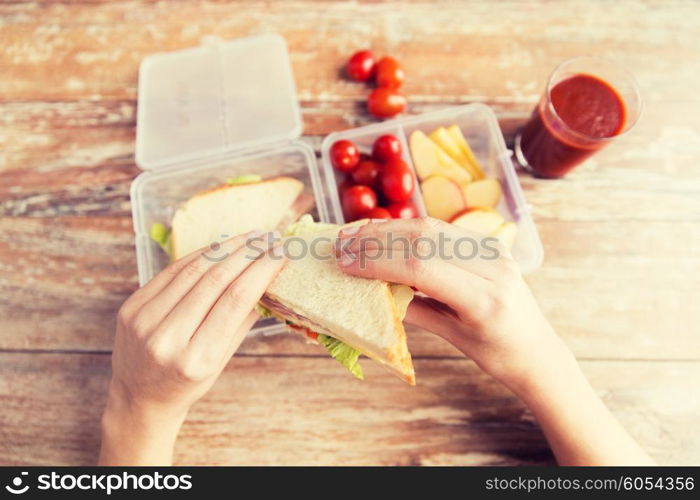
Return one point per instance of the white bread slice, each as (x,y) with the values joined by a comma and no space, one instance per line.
(225,211)
(361,312)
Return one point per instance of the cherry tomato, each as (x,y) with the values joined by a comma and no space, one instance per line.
(344,155)
(357,200)
(386,147)
(377,213)
(398,182)
(388,73)
(403,210)
(385,103)
(345,185)
(367,173)
(361,66)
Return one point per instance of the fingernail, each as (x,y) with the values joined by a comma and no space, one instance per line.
(346,259)
(349,231)
(378,221)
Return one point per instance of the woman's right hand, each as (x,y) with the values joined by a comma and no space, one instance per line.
(481,304)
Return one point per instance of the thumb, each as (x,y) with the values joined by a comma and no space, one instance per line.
(433,316)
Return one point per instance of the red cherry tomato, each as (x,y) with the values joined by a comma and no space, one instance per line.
(357,200)
(388,73)
(345,185)
(385,103)
(367,173)
(403,210)
(386,147)
(377,213)
(361,66)
(398,182)
(344,155)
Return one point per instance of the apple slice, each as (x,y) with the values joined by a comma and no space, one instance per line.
(480,220)
(429,160)
(483,193)
(506,234)
(442,138)
(463,145)
(442,196)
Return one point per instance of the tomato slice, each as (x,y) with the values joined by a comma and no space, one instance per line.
(304,331)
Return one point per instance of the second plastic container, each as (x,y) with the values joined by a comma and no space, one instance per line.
(480,127)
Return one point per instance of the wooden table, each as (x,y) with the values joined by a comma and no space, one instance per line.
(621,278)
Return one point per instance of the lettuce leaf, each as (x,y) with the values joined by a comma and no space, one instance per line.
(343,353)
(161,235)
(244,179)
(263,311)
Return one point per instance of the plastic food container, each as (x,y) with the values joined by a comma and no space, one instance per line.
(480,127)
(209,113)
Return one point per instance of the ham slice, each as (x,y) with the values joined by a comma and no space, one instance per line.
(284,313)
(303,204)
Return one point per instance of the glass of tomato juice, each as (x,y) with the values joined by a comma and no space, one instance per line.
(587,103)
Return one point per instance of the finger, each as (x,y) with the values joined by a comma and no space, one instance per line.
(163,302)
(434,277)
(426,238)
(151,289)
(239,335)
(165,276)
(194,306)
(224,321)
(204,362)
(433,316)
(219,358)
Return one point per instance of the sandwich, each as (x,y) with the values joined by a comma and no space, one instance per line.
(348,315)
(243,204)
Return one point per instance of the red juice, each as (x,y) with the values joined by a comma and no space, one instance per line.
(581,115)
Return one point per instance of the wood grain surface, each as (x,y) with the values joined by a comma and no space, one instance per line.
(289,410)
(621,234)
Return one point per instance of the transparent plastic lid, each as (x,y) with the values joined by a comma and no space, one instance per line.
(215,98)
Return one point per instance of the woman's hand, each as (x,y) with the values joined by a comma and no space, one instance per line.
(174,337)
(479,302)
(477,299)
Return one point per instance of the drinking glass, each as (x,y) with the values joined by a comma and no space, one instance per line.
(588,102)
